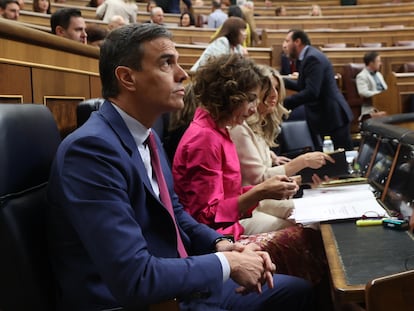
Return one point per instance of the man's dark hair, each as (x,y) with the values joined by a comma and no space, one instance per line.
(216,4)
(300,34)
(235,10)
(62,18)
(124,47)
(4,3)
(370,57)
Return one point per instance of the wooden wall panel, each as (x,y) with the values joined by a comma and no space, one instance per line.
(61,91)
(15,84)
(64,112)
(96,87)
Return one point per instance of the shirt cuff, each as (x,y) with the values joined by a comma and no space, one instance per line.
(225,266)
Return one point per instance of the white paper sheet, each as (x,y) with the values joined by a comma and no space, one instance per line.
(336,203)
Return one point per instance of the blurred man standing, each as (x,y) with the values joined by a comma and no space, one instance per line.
(326,110)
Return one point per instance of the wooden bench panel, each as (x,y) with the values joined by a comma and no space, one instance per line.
(51,68)
(189,54)
(327,10)
(15,83)
(190,35)
(335,22)
(391,57)
(396,98)
(352,37)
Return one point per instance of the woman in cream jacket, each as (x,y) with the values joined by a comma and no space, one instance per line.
(253,140)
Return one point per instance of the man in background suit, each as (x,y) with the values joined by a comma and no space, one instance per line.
(370,81)
(69,23)
(326,110)
(113,239)
(10,9)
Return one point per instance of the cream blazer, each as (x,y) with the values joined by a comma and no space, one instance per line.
(367,88)
(254,156)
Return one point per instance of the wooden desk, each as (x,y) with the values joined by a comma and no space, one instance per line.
(359,254)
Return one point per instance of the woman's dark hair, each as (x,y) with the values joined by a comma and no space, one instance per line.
(37,9)
(192,20)
(222,85)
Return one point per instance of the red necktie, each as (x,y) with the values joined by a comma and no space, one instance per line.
(164,194)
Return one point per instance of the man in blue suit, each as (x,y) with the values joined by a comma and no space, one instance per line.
(113,241)
(326,110)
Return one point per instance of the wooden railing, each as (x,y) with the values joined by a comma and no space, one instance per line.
(391,57)
(334,22)
(400,94)
(327,10)
(41,68)
(352,37)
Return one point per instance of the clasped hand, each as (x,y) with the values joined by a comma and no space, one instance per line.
(250,266)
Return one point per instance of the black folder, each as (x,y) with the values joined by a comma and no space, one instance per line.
(332,170)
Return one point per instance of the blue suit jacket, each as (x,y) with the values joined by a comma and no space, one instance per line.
(112,241)
(325,107)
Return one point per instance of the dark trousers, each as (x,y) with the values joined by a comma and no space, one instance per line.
(289,293)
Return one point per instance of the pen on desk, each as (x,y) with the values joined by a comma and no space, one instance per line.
(368,222)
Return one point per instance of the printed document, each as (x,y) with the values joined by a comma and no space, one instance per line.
(336,203)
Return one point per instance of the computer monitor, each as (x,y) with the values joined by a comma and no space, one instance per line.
(400,195)
(382,163)
(365,153)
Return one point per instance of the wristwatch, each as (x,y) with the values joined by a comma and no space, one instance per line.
(223,238)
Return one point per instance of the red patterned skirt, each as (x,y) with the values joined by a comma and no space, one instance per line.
(295,250)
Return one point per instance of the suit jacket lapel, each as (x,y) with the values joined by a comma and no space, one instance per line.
(120,128)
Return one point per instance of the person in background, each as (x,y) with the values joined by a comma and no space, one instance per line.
(128,9)
(217,17)
(179,122)
(150,5)
(288,65)
(229,40)
(248,13)
(315,10)
(255,137)
(41,6)
(118,235)
(69,23)
(370,82)
(116,22)
(96,35)
(187,20)
(173,6)
(235,10)
(281,11)
(157,16)
(327,112)
(94,3)
(10,9)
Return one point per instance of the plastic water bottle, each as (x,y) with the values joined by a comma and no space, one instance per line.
(327,146)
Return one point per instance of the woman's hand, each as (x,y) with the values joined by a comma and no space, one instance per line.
(316,159)
(278,160)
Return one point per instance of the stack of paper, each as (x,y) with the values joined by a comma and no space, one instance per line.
(336,203)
